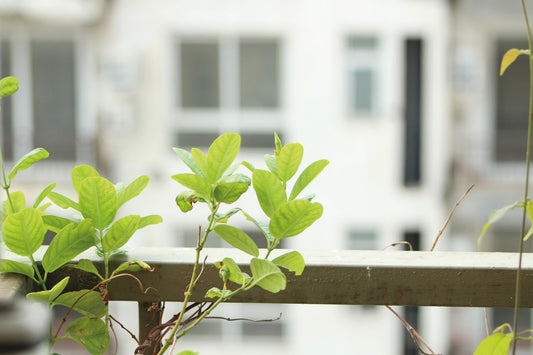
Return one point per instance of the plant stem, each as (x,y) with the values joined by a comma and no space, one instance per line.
(39,277)
(526,188)
(5,184)
(190,287)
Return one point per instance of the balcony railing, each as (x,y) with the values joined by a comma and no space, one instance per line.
(348,277)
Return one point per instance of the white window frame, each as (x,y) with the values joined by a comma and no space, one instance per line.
(228,116)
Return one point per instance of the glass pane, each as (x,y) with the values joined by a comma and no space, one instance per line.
(258,140)
(195,139)
(362,240)
(259,74)
(363,88)
(54,98)
(199,75)
(5,104)
(362,43)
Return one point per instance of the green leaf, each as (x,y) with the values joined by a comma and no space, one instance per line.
(149,220)
(185,200)
(69,243)
(63,201)
(23,232)
(277,144)
(289,160)
(509,57)
(221,155)
(87,266)
(223,217)
(80,173)
(18,268)
(293,218)
(271,163)
(215,292)
(234,272)
(187,352)
(91,333)
(49,295)
(8,86)
(293,261)
(269,190)
(262,226)
(248,165)
(230,188)
(133,189)
(28,160)
(308,175)
(43,194)
(187,158)
(237,238)
(98,201)
(494,217)
(120,232)
(132,266)
(201,161)
(86,302)
(196,183)
(495,344)
(55,223)
(267,275)
(19,203)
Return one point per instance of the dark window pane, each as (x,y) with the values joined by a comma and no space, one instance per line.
(6,109)
(258,140)
(512,105)
(195,139)
(54,96)
(362,240)
(259,74)
(359,43)
(199,75)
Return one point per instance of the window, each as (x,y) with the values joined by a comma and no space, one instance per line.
(227,84)
(362,62)
(512,103)
(44,113)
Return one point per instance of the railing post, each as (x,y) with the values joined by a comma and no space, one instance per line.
(148,318)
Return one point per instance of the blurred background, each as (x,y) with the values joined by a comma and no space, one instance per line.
(402,96)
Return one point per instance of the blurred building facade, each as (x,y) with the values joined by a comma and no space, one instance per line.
(402,96)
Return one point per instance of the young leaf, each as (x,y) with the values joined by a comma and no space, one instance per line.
(185,200)
(187,158)
(221,155)
(262,226)
(200,159)
(19,203)
(91,333)
(55,223)
(187,352)
(293,261)
(235,273)
(237,238)
(277,144)
(23,232)
(133,189)
(272,164)
(215,292)
(49,295)
(509,57)
(98,201)
(8,86)
(293,218)
(63,201)
(28,160)
(43,194)
(90,304)
(495,344)
(269,190)
(149,220)
(132,266)
(194,182)
(18,268)
(230,188)
(80,173)
(87,266)
(267,275)
(494,217)
(69,243)
(248,165)
(289,160)
(120,232)
(223,217)
(308,175)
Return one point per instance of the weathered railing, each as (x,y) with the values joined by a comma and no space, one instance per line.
(331,277)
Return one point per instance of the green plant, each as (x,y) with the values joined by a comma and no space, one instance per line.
(506,336)
(216,184)
(24,229)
